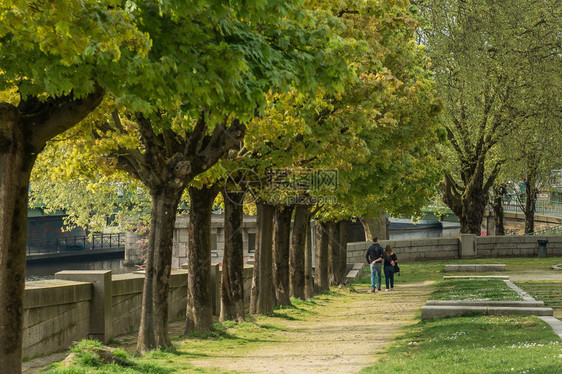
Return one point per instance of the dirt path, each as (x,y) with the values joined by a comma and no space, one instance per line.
(343,338)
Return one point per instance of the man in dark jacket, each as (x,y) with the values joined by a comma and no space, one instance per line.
(375,255)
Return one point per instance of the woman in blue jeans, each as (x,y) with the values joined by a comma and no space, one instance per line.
(389,268)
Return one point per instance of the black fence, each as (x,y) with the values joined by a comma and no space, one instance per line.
(76,243)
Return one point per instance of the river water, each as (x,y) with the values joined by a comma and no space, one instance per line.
(40,271)
(398,230)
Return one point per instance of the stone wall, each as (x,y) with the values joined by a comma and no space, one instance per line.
(452,248)
(517,246)
(56,313)
(127,300)
(409,249)
(249,230)
(60,311)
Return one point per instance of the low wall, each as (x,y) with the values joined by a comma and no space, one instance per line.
(409,249)
(60,311)
(517,246)
(56,313)
(127,300)
(452,248)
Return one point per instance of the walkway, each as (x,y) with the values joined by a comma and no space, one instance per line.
(344,338)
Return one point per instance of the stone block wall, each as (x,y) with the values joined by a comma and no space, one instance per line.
(517,246)
(56,313)
(409,249)
(127,300)
(60,311)
(249,227)
(451,248)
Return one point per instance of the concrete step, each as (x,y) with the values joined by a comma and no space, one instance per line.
(475,267)
(356,272)
(489,303)
(504,277)
(437,311)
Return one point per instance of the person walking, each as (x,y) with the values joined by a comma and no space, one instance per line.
(389,267)
(374,256)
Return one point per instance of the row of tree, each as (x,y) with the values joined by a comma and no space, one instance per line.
(180,95)
(498,69)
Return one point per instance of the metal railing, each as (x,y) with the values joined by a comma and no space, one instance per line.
(555,230)
(76,243)
(544,207)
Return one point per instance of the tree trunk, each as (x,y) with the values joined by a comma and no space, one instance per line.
(333,254)
(199,315)
(343,226)
(321,259)
(297,258)
(281,238)
(24,131)
(15,169)
(469,202)
(232,279)
(308,274)
(375,227)
(153,329)
(261,298)
(498,210)
(530,200)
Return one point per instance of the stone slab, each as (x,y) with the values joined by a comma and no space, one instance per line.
(503,277)
(539,304)
(355,273)
(434,311)
(475,267)
(519,291)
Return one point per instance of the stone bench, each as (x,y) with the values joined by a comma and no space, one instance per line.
(442,311)
(506,303)
(503,277)
(476,267)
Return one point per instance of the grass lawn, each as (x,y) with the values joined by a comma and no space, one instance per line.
(435,270)
(550,292)
(474,289)
(477,344)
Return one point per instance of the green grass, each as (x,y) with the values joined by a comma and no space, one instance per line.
(548,291)
(411,272)
(474,289)
(476,344)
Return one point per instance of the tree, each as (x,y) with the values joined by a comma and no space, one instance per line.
(185,127)
(377,134)
(232,277)
(58,60)
(481,52)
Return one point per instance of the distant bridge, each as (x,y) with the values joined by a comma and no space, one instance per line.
(75,246)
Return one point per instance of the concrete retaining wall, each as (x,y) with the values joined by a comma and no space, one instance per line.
(452,248)
(410,249)
(127,300)
(516,246)
(56,313)
(60,311)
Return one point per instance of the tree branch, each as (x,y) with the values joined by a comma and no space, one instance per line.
(54,116)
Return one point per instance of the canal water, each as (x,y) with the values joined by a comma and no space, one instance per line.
(399,229)
(41,271)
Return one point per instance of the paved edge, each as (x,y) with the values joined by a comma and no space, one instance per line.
(555,323)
